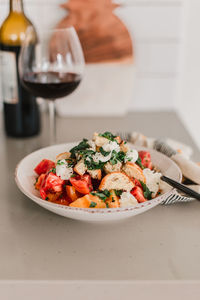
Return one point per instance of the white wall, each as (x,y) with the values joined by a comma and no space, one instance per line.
(188,99)
(155,26)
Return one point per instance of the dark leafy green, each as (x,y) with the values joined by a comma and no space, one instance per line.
(59,162)
(103,195)
(139,163)
(108,135)
(93,204)
(81,146)
(117,156)
(73,175)
(121,156)
(53,170)
(103,152)
(147,192)
(91,165)
(118,192)
(70,162)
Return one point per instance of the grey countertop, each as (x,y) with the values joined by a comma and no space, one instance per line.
(161,244)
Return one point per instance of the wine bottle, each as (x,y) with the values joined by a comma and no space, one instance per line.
(21,112)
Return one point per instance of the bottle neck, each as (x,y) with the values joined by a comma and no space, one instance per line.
(16,6)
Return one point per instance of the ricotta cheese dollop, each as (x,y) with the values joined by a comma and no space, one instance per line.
(111,146)
(127,200)
(131,156)
(152,181)
(92,145)
(98,157)
(63,170)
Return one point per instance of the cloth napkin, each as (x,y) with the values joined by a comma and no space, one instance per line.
(179,153)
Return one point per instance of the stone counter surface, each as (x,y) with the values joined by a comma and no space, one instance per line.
(35,244)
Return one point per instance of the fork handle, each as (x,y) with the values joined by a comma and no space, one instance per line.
(181,187)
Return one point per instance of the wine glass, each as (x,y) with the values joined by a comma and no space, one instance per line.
(51,66)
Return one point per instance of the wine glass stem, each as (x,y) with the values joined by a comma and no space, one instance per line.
(52,121)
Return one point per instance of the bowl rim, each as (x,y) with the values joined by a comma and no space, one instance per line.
(44,203)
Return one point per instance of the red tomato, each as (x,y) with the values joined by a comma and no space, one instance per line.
(137,183)
(43,194)
(137,192)
(145,159)
(82,184)
(53,183)
(44,166)
(39,181)
(87,178)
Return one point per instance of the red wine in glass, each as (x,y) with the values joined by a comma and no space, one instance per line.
(51,68)
(51,85)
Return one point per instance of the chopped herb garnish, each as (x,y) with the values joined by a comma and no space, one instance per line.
(59,162)
(147,192)
(107,193)
(81,146)
(103,152)
(93,204)
(46,198)
(53,170)
(118,193)
(91,165)
(73,175)
(36,180)
(70,162)
(121,156)
(103,195)
(117,156)
(107,205)
(139,163)
(113,159)
(86,152)
(108,135)
(113,200)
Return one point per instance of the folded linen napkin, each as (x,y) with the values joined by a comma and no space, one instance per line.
(178,152)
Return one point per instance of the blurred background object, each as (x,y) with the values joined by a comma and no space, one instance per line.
(155,27)
(107,85)
(166,51)
(21,111)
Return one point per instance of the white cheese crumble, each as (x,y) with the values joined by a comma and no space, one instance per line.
(127,199)
(152,181)
(98,157)
(63,170)
(111,146)
(131,156)
(92,145)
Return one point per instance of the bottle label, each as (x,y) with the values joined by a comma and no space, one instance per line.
(9,77)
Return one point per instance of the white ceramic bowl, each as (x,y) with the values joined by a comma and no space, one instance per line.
(25,179)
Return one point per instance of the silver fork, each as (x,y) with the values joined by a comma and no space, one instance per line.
(126,136)
(159,144)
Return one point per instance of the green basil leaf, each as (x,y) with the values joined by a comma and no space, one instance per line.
(108,135)
(139,163)
(118,192)
(103,152)
(147,192)
(93,204)
(81,146)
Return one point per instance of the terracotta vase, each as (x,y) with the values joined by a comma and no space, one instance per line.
(103,35)
(107,83)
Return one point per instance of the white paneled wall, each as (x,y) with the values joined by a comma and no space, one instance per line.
(157,37)
(155,26)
